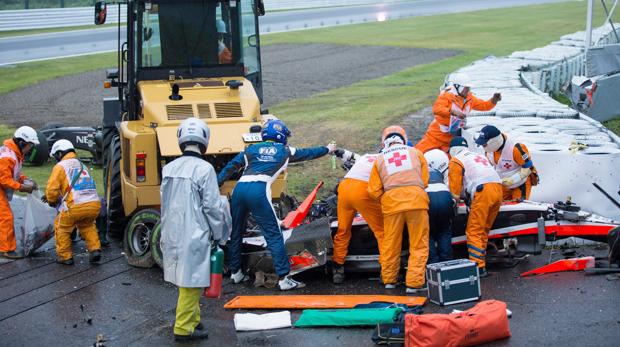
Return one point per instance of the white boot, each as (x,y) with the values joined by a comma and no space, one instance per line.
(238,277)
(287,283)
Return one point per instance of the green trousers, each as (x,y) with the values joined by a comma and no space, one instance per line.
(188,310)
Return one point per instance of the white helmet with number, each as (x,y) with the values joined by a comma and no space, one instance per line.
(461,79)
(437,159)
(61,146)
(27,134)
(193,130)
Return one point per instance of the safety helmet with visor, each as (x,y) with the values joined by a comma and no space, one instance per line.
(61,148)
(437,159)
(26,139)
(461,82)
(275,130)
(393,134)
(194,131)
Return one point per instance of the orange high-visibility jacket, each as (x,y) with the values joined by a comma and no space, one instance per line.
(59,182)
(447,100)
(11,177)
(402,198)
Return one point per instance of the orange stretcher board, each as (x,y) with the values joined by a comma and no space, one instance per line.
(316,301)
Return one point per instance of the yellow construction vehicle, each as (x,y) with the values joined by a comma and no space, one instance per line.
(181,58)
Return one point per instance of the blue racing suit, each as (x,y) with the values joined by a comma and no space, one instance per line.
(262,163)
(440,215)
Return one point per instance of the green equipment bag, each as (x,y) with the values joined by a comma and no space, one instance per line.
(347,317)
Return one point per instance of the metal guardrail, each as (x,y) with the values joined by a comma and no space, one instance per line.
(11,20)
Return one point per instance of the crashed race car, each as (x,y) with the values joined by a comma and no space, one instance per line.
(520,228)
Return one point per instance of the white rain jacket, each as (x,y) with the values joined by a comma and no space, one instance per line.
(193,213)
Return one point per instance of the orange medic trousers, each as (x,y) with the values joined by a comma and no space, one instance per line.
(353,197)
(427,143)
(7,232)
(482,214)
(522,192)
(416,222)
(82,217)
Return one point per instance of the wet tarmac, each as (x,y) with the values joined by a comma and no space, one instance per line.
(40,305)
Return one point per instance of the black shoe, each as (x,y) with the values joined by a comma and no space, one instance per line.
(12,255)
(65,262)
(94,256)
(338,274)
(483,272)
(196,335)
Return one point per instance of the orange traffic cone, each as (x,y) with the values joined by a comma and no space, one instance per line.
(575,264)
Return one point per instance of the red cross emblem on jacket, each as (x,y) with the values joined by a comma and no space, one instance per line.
(507,166)
(397,159)
(482,160)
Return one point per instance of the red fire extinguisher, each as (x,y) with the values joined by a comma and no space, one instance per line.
(217,264)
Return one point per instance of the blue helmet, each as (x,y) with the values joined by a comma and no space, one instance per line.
(275,130)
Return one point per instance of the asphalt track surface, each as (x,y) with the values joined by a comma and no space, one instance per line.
(40,305)
(289,72)
(71,43)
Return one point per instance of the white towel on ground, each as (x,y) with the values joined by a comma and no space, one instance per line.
(251,321)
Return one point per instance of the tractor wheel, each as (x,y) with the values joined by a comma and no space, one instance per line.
(113,193)
(156,246)
(138,238)
(108,135)
(41,153)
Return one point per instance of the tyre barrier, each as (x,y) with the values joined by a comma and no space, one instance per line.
(569,123)
(523,121)
(597,136)
(482,113)
(599,151)
(537,130)
(512,114)
(548,148)
(558,114)
(598,143)
(584,132)
(482,120)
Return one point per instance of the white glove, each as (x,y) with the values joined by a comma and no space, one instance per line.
(331,147)
(507,181)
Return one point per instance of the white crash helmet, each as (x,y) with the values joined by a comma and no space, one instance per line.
(437,159)
(193,131)
(27,134)
(61,146)
(221,27)
(460,80)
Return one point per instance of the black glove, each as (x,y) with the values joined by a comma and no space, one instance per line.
(339,152)
(44,199)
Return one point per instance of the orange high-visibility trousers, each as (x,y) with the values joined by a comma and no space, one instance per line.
(427,143)
(522,192)
(353,197)
(482,214)
(83,218)
(7,232)
(416,222)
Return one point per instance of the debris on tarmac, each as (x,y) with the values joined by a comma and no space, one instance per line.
(88,319)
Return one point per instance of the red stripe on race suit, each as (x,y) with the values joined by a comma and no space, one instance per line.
(598,230)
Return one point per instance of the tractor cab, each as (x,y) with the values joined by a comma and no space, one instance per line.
(179,59)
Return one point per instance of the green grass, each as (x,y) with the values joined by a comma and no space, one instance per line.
(354,116)
(52,30)
(613,125)
(40,174)
(18,76)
